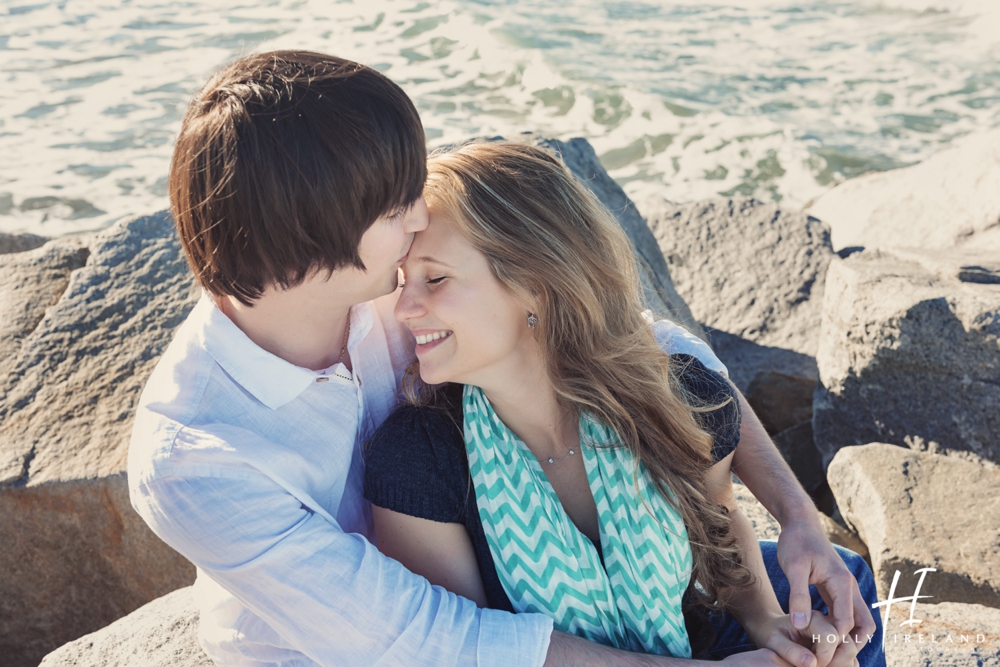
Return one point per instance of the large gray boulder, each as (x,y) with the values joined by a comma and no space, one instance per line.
(30,282)
(950,633)
(910,353)
(746,267)
(74,555)
(163,633)
(20,242)
(754,274)
(947,200)
(659,292)
(917,510)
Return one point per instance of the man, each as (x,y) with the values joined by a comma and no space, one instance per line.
(296,188)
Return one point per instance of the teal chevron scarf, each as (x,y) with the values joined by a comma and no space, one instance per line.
(546,565)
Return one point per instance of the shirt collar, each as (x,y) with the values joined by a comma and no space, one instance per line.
(269,378)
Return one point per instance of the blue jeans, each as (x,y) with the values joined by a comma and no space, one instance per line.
(730,637)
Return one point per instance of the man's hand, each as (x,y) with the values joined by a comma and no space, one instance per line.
(816,645)
(807,557)
(804,552)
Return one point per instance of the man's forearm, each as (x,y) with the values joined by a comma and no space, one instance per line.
(569,651)
(759,465)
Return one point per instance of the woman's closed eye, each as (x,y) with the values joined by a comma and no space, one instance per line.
(435,281)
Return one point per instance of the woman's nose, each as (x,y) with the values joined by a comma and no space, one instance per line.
(409,305)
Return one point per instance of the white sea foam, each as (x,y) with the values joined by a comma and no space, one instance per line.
(774,99)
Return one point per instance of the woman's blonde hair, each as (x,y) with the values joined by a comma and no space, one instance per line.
(549,241)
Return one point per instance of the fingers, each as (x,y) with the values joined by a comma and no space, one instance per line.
(832,649)
(823,637)
(843,592)
(799,600)
(864,621)
(790,652)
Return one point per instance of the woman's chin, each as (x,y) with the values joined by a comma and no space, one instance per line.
(430,377)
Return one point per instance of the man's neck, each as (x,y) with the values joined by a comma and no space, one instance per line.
(306,326)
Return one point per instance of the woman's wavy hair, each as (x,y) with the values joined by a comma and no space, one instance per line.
(553,245)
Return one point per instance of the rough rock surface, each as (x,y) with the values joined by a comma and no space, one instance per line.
(163,633)
(904,335)
(952,634)
(799,451)
(917,510)
(767,527)
(764,525)
(746,267)
(20,242)
(947,200)
(30,282)
(781,401)
(658,289)
(754,274)
(840,536)
(74,555)
(746,359)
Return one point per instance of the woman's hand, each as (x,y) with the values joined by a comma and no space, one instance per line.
(816,645)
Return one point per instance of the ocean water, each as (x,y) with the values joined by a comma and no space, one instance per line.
(775,99)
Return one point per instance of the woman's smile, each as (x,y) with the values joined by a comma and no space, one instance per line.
(429,340)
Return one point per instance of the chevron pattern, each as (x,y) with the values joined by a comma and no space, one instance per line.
(547,566)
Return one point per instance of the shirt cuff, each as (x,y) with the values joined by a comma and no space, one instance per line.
(513,640)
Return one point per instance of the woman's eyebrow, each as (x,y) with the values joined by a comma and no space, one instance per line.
(431,260)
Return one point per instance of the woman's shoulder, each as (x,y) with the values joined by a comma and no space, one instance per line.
(716,402)
(700,381)
(415,463)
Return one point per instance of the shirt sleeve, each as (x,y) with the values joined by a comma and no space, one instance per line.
(414,465)
(707,388)
(331,594)
(675,339)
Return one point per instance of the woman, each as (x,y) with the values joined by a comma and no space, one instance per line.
(554,459)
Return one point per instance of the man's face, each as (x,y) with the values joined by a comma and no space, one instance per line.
(383,250)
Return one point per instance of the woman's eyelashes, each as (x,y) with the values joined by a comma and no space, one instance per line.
(435,281)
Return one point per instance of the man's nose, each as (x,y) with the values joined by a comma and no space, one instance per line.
(417,221)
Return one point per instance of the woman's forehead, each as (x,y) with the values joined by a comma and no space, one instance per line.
(441,243)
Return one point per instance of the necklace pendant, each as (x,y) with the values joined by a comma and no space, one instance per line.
(551,460)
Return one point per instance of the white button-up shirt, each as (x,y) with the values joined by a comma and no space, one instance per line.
(252,468)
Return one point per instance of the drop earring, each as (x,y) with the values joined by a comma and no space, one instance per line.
(532,320)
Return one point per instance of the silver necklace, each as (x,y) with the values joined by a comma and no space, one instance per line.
(553,459)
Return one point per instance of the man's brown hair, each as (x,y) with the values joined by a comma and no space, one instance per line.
(283,162)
